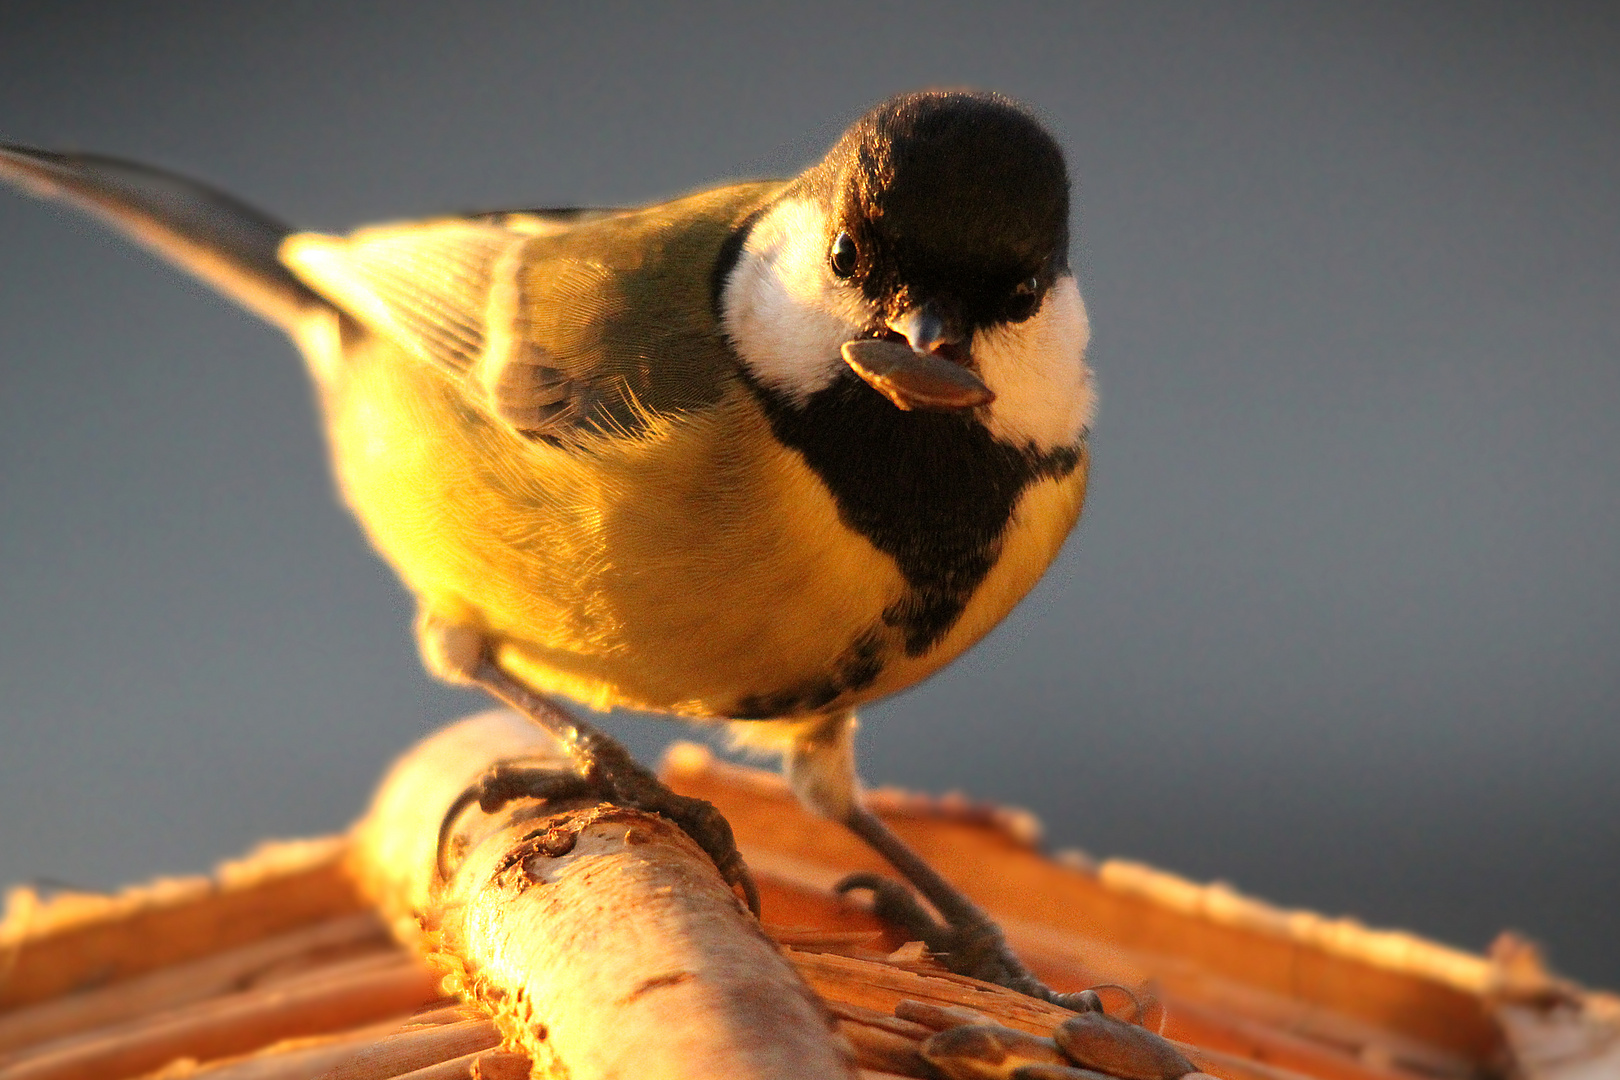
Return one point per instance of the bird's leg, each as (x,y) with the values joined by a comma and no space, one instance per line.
(605,768)
(821,769)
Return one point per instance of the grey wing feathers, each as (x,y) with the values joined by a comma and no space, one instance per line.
(227,243)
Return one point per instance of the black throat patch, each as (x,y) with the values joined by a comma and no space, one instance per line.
(931,490)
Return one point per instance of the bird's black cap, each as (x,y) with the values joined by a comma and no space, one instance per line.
(950,196)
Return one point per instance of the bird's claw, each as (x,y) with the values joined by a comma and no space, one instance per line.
(506,782)
(697,818)
(634,787)
(969,946)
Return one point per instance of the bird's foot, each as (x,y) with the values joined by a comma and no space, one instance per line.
(969,944)
(505,783)
(602,768)
(618,780)
(627,783)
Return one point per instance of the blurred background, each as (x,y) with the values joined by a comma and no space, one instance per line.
(1340,624)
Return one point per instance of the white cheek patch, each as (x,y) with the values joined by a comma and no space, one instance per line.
(784,311)
(1037,369)
(788,316)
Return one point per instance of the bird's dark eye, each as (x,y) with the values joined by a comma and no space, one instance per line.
(843,255)
(1021,301)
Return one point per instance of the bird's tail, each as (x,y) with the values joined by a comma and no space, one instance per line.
(226,243)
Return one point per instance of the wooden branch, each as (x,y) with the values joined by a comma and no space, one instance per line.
(600,938)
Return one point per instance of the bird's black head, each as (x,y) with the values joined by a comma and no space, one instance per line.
(951,201)
(927,253)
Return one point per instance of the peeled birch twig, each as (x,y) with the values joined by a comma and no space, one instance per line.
(602,939)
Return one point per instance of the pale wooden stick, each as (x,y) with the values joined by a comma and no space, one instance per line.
(484,1064)
(411,1051)
(51,947)
(601,938)
(879,986)
(329,999)
(181,984)
(298,1058)
(413,1039)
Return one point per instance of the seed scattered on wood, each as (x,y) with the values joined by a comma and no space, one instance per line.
(1098,1041)
(987,1051)
(938,1017)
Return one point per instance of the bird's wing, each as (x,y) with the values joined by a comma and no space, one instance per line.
(556,322)
(446,292)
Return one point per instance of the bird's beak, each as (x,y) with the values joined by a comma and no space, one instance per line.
(928,370)
(924,329)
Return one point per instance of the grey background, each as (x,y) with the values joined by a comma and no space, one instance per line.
(1340,624)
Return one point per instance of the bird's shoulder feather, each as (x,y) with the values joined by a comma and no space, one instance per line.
(555,322)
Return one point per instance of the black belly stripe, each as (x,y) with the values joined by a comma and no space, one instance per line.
(855,669)
(932,490)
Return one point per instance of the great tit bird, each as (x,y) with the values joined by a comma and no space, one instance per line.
(759,454)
